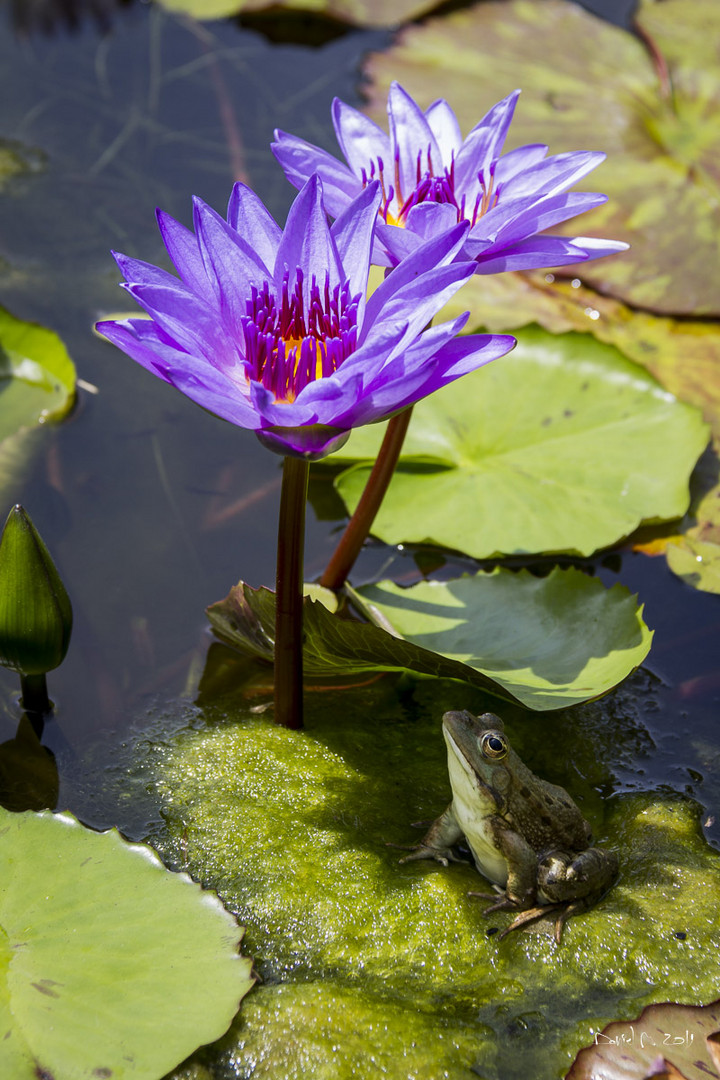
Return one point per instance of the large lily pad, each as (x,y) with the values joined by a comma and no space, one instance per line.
(591,86)
(563,446)
(545,642)
(110,966)
(293,829)
(681,354)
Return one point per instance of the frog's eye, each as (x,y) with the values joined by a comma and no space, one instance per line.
(494,745)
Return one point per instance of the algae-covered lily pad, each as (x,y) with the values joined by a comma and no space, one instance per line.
(295,828)
(563,446)
(551,641)
(588,85)
(356,12)
(546,642)
(110,965)
(666,1042)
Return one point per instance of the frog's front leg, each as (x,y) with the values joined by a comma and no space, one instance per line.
(521,859)
(438,840)
(584,876)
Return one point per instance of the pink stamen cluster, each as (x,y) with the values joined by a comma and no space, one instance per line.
(290,343)
(431,188)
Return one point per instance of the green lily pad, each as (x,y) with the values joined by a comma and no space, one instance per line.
(681,354)
(546,642)
(355,12)
(588,85)
(37,377)
(685,1037)
(552,641)
(293,828)
(110,966)
(563,446)
(695,557)
(37,385)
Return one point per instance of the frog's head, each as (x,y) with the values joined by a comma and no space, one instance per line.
(477,751)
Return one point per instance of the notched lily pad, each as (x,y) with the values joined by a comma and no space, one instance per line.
(671,1041)
(562,446)
(110,966)
(588,85)
(332,646)
(545,642)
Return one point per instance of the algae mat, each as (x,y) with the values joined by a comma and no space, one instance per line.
(373,968)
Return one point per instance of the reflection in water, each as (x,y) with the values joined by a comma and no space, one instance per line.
(28,771)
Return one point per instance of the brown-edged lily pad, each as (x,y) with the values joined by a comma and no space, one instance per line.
(676,1042)
(356,12)
(588,85)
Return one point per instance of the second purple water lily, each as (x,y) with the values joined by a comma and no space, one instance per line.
(432,178)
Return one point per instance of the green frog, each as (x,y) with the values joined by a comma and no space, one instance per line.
(526,835)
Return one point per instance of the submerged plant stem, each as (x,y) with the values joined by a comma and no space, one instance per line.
(289,594)
(357,529)
(34,694)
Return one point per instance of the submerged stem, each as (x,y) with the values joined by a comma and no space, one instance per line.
(289,594)
(357,529)
(34,694)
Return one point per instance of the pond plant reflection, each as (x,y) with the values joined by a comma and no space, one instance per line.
(271,330)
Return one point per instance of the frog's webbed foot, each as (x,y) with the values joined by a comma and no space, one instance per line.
(438,842)
(535,913)
(531,914)
(502,901)
(424,851)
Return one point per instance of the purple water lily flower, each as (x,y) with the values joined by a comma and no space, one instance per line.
(431,178)
(271,329)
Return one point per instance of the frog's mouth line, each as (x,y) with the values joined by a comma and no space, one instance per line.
(460,759)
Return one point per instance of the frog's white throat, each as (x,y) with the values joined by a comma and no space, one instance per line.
(472,807)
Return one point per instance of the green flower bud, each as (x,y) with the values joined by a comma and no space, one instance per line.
(35,610)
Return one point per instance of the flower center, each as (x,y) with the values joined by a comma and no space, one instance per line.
(429,187)
(291,341)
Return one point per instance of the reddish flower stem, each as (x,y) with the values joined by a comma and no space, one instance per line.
(289,594)
(357,529)
(658,60)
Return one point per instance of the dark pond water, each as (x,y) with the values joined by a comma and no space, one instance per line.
(151,507)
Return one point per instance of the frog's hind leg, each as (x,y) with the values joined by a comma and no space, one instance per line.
(540,911)
(533,914)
